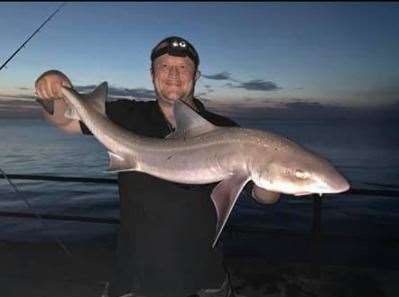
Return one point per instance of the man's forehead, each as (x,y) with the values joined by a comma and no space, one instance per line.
(167,58)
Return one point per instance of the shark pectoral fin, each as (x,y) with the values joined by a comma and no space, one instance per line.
(224,196)
(117,163)
(48,105)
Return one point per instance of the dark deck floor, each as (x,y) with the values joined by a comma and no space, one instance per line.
(45,270)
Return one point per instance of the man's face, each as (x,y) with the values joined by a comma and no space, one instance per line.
(174,78)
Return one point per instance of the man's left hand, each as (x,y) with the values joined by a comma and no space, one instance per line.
(264,196)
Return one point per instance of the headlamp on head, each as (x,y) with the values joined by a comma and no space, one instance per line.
(175,46)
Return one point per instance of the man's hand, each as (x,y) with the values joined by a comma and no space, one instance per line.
(263,196)
(48,88)
(48,85)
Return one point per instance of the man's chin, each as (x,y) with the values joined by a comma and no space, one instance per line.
(172,98)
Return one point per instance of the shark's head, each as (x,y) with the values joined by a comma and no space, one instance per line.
(299,173)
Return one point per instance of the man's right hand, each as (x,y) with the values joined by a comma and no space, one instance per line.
(48,88)
(48,85)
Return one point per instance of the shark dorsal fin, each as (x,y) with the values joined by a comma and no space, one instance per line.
(188,122)
(96,99)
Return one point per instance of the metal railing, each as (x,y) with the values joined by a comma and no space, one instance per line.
(315,237)
(316,230)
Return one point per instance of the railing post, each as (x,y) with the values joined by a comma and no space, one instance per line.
(316,236)
(316,228)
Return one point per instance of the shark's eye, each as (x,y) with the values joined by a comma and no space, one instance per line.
(301,174)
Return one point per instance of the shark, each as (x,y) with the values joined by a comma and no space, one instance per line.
(198,152)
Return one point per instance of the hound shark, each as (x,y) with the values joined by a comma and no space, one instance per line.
(199,152)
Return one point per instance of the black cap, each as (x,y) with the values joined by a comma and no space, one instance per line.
(175,46)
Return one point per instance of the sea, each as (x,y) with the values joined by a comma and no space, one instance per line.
(366,152)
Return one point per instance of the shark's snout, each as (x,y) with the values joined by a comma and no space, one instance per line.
(338,184)
(343,186)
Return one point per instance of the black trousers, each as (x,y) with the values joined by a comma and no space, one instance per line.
(164,246)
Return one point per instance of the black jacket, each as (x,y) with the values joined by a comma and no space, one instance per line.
(166,228)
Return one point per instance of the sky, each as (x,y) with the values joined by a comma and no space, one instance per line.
(296,57)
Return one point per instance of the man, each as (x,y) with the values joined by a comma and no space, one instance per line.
(164,246)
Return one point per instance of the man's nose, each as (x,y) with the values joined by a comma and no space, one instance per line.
(174,72)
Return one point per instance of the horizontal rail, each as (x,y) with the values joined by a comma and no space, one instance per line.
(58,217)
(365,192)
(229,227)
(369,192)
(316,235)
(276,233)
(62,178)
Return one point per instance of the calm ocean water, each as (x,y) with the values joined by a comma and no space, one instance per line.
(366,153)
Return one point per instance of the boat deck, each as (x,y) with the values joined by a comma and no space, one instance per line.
(45,270)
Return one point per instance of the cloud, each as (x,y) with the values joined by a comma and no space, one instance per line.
(252,85)
(257,85)
(25,89)
(135,93)
(201,96)
(25,106)
(19,97)
(209,89)
(379,94)
(19,107)
(300,109)
(218,76)
(204,93)
(309,106)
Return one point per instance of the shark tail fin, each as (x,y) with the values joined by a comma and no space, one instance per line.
(48,105)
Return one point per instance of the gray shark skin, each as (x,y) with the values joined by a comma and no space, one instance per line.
(200,153)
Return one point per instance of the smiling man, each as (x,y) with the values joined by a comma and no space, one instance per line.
(167,229)
(174,73)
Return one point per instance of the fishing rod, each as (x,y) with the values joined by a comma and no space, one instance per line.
(15,189)
(31,36)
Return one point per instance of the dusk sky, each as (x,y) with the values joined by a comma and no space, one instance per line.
(253,54)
